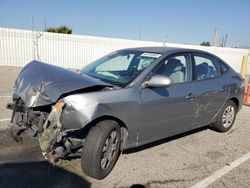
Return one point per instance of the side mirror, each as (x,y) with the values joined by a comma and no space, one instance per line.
(157,81)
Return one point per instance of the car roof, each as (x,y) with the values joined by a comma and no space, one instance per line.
(164,50)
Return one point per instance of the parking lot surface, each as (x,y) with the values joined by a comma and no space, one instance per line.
(181,161)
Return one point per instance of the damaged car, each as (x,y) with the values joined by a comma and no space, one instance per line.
(126,99)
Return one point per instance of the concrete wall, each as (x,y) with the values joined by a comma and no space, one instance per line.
(18,47)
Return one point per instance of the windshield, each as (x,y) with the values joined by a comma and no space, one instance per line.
(120,67)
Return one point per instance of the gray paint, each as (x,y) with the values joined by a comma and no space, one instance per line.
(41,84)
(149,114)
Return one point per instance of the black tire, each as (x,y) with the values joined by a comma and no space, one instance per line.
(223,124)
(93,146)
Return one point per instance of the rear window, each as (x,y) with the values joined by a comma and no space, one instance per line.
(224,68)
(206,67)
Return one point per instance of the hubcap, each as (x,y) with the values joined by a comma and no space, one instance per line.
(109,149)
(228,116)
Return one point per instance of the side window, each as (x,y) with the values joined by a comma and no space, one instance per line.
(118,63)
(175,68)
(205,67)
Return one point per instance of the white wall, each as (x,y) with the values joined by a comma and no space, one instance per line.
(18,47)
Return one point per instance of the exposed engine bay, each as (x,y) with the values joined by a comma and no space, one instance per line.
(43,125)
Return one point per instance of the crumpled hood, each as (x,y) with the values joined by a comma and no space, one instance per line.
(40,84)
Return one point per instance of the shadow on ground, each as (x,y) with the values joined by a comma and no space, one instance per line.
(22,165)
(16,170)
(38,174)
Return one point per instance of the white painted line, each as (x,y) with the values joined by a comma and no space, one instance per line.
(7,119)
(218,174)
(6,96)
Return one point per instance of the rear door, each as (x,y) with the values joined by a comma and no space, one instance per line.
(210,88)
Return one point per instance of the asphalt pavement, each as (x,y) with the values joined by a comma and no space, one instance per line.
(180,161)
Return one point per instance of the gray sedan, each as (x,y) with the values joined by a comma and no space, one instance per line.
(124,100)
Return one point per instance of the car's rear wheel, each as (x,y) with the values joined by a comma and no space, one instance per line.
(101,149)
(226,117)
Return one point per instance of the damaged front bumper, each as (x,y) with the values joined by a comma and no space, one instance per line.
(51,133)
(46,129)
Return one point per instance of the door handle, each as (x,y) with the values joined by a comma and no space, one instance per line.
(190,96)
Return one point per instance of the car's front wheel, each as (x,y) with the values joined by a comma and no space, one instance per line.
(101,149)
(226,117)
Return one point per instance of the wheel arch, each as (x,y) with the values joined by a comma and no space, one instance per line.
(124,130)
(236,101)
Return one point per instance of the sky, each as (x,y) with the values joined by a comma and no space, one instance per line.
(176,21)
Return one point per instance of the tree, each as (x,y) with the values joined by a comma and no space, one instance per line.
(205,43)
(61,29)
(51,30)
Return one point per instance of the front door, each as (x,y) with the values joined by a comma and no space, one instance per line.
(168,111)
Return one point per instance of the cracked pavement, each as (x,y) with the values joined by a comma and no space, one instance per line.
(176,162)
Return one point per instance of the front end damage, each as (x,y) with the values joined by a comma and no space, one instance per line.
(37,108)
(44,126)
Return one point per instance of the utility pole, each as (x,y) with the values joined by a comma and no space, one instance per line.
(225,40)
(45,24)
(222,43)
(34,37)
(32,23)
(165,39)
(215,37)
